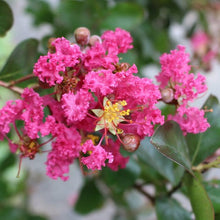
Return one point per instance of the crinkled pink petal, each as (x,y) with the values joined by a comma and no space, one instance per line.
(8,114)
(118,41)
(65,149)
(191,120)
(98,156)
(76,106)
(33,112)
(101,81)
(119,161)
(49,67)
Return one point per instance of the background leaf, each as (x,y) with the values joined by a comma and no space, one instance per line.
(122,179)
(123,15)
(21,60)
(6,18)
(199,199)
(169,140)
(170,209)
(90,198)
(205,144)
(213,190)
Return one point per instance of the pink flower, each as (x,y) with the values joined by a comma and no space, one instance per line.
(118,41)
(97,57)
(48,126)
(50,67)
(64,150)
(102,81)
(143,122)
(191,120)
(97,157)
(8,114)
(33,112)
(174,67)
(76,106)
(175,75)
(119,161)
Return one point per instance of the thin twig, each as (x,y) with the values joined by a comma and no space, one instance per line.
(141,190)
(22,79)
(174,189)
(12,88)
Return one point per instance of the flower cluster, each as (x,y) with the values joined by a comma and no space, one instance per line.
(179,86)
(98,103)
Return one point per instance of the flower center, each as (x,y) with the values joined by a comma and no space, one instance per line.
(111,115)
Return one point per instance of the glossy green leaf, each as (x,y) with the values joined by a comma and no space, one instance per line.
(201,204)
(124,15)
(90,198)
(165,167)
(21,60)
(170,209)
(168,139)
(205,144)
(213,190)
(6,18)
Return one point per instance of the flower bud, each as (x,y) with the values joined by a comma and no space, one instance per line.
(131,142)
(167,95)
(93,39)
(82,35)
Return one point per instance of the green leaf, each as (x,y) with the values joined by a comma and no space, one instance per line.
(168,139)
(170,209)
(41,11)
(205,144)
(213,190)
(21,60)
(165,167)
(12,213)
(199,199)
(122,179)
(90,198)
(124,15)
(6,18)
(73,14)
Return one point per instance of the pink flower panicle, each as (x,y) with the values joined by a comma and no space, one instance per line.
(97,96)
(175,75)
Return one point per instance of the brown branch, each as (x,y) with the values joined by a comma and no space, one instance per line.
(146,194)
(12,88)
(22,79)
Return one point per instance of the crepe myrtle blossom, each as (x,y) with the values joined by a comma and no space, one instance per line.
(98,103)
(180,87)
